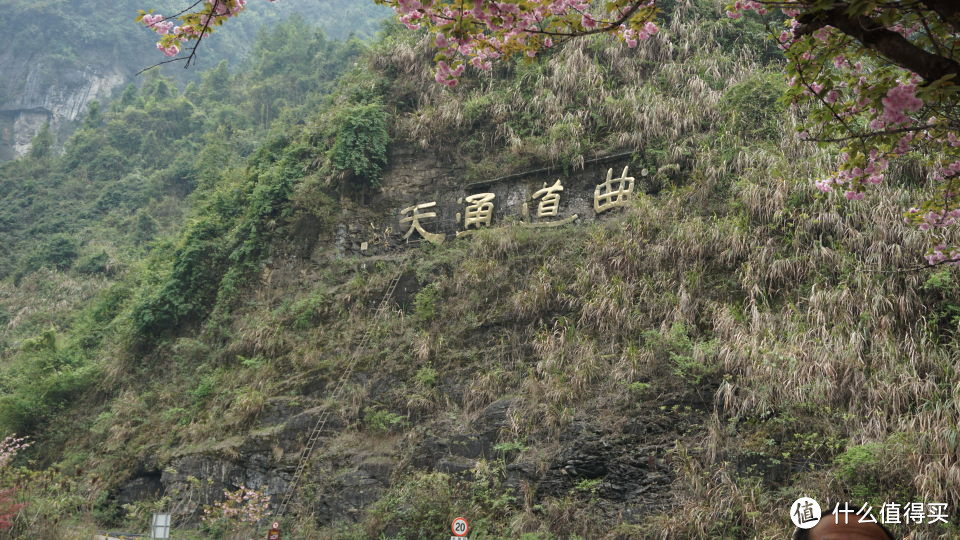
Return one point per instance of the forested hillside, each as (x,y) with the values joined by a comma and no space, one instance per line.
(180,300)
(61,55)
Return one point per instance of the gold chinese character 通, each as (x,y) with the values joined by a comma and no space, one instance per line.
(479,210)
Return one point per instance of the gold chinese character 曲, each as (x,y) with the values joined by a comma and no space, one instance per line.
(479,210)
(414,220)
(614,192)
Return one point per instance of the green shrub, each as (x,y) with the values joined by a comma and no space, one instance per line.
(58,252)
(878,471)
(689,361)
(96,320)
(190,288)
(418,507)
(426,377)
(93,264)
(860,468)
(44,380)
(207,386)
(383,421)
(266,206)
(307,312)
(943,289)
(752,108)
(144,228)
(127,194)
(42,143)
(589,485)
(253,363)
(359,149)
(638,388)
(510,446)
(425,304)
(177,415)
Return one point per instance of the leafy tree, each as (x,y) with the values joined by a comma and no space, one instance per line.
(359,150)
(57,252)
(42,142)
(879,79)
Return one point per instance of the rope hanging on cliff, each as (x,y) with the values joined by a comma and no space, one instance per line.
(307,451)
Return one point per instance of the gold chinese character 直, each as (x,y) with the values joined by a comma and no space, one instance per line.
(613,192)
(479,210)
(414,220)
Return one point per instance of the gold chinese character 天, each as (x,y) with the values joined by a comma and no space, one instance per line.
(479,210)
(414,220)
(614,192)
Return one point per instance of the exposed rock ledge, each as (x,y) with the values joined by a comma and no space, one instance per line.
(38,92)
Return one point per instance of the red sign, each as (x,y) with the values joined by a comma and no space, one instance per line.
(274,534)
(460,527)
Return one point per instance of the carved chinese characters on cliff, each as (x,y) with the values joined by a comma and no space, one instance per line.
(550,205)
(414,222)
(479,210)
(613,192)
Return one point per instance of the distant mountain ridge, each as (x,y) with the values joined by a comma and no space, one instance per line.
(59,57)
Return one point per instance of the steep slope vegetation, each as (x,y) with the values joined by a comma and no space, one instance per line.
(73,225)
(686,368)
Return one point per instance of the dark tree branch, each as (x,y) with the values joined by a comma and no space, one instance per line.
(948,10)
(603,26)
(917,268)
(887,43)
(606,26)
(158,64)
(873,134)
(192,57)
(930,36)
(184,10)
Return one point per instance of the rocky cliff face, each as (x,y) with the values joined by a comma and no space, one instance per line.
(34,91)
(621,467)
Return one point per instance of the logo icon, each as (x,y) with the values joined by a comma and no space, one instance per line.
(460,527)
(805,513)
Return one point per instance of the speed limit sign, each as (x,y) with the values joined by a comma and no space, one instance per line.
(460,527)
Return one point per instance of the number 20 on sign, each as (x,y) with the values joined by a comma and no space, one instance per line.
(459,527)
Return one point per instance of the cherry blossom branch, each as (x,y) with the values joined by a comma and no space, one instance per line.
(876,37)
(203,33)
(917,268)
(190,58)
(871,134)
(184,10)
(610,25)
